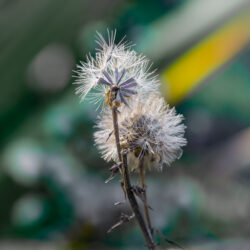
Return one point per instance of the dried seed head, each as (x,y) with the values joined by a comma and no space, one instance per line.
(149,129)
(116,72)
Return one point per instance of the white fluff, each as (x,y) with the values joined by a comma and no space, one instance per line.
(149,125)
(108,57)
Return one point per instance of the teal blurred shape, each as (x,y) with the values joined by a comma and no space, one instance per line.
(62,119)
(29,211)
(22,160)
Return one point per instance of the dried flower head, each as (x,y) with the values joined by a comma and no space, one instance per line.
(117,72)
(150,129)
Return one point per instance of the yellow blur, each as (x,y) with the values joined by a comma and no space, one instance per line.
(188,71)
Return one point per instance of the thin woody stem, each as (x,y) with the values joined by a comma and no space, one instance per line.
(134,204)
(125,175)
(116,131)
(142,172)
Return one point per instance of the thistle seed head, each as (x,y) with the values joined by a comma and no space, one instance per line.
(116,72)
(149,129)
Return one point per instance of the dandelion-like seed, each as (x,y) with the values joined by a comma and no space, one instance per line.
(115,73)
(150,129)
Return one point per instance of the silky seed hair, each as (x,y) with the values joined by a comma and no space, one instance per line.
(149,129)
(117,67)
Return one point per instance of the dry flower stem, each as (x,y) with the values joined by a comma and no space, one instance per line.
(116,131)
(134,204)
(125,175)
(142,172)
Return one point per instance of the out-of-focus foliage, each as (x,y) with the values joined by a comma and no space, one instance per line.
(52,190)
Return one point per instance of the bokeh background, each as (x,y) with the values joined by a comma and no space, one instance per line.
(52,191)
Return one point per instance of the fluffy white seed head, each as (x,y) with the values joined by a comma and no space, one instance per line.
(148,128)
(112,58)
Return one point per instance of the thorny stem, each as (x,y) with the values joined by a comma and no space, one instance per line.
(134,204)
(125,175)
(142,172)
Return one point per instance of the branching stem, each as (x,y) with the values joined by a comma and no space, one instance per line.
(126,179)
(134,204)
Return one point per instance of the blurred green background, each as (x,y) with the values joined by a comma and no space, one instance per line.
(52,191)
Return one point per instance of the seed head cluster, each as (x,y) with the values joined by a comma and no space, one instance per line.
(148,127)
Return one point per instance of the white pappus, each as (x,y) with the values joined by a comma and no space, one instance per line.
(148,128)
(115,65)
